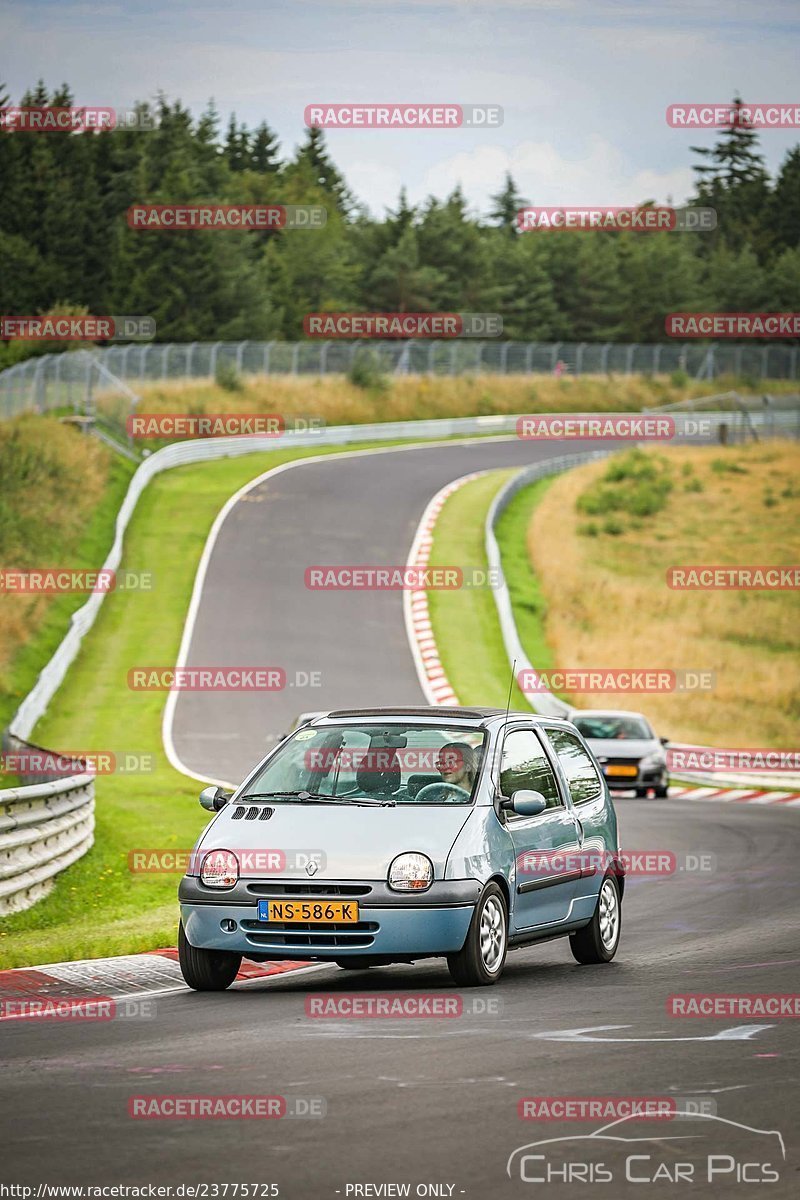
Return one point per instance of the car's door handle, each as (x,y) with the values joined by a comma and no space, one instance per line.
(578,830)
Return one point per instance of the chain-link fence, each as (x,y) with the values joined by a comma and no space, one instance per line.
(66,380)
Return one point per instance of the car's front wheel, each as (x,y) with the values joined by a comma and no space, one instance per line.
(597,942)
(206,970)
(481,960)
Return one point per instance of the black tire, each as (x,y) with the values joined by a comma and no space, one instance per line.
(592,944)
(662,793)
(206,970)
(480,961)
(354,964)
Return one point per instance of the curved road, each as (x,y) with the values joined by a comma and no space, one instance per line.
(255,609)
(415,1102)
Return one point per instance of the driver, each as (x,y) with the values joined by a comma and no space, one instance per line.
(456,765)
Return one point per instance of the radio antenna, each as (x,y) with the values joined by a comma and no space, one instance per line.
(508,709)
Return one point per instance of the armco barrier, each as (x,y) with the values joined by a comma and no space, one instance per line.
(545,702)
(44,827)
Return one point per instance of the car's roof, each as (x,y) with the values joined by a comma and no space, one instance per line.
(441,713)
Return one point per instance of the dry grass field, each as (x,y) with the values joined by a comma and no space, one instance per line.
(601,548)
(337,401)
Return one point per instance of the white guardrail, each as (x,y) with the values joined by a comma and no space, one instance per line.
(544,701)
(43,829)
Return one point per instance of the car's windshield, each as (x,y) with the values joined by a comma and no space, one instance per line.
(610,728)
(388,763)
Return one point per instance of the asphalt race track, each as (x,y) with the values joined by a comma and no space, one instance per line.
(256,609)
(427,1101)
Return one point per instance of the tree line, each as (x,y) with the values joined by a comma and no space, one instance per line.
(65,245)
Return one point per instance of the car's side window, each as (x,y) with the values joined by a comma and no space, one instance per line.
(581,773)
(525,765)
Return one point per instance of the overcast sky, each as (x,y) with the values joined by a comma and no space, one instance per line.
(584,83)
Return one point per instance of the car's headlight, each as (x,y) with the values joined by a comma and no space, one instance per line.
(653,760)
(220,869)
(411,872)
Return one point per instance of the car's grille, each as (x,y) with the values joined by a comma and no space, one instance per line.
(276,890)
(254,812)
(310,937)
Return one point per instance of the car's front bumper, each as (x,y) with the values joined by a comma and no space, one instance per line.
(431,923)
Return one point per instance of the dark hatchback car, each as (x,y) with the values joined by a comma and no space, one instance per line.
(631,757)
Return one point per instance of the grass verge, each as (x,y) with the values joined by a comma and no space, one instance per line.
(98,907)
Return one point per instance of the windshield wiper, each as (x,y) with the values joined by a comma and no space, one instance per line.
(303,797)
(316,798)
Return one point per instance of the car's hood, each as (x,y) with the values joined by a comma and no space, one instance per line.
(624,747)
(349,842)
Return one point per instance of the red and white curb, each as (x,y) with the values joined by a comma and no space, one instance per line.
(737,795)
(430,671)
(155,973)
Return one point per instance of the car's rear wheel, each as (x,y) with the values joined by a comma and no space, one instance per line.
(662,793)
(481,960)
(206,970)
(597,942)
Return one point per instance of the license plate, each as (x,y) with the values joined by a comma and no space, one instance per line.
(309,912)
(619,771)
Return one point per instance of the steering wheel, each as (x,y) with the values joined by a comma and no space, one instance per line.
(428,794)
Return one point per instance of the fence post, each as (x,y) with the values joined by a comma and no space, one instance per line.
(295,354)
(554,355)
(323,357)
(267,349)
(212,366)
(189,357)
(579,358)
(629,360)
(240,356)
(764,361)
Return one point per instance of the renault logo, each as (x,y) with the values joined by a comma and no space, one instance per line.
(312,868)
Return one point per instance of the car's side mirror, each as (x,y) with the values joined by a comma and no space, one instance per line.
(664,741)
(527,803)
(214,798)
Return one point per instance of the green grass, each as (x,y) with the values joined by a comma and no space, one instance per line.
(20,675)
(97,906)
(527,601)
(464,621)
